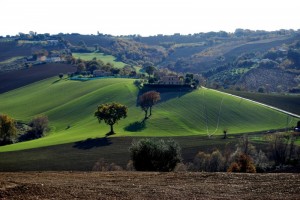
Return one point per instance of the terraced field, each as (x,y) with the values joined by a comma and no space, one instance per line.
(72,104)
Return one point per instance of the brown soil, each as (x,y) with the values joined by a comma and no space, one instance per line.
(15,79)
(137,185)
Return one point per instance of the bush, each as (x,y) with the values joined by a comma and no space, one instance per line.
(234,167)
(7,129)
(216,162)
(201,161)
(39,125)
(213,162)
(180,167)
(282,148)
(155,155)
(244,164)
(129,166)
(262,162)
(103,166)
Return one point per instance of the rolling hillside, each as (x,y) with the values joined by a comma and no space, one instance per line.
(100,56)
(72,103)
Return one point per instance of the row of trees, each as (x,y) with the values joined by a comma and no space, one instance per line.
(152,154)
(88,67)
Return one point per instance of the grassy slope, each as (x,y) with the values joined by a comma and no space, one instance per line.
(100,56)
(73,103)
(290,103)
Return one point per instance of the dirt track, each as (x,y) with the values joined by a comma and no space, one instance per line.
(135,185)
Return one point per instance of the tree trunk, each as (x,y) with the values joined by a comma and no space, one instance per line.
(150,111)
(146,113)
(111,129)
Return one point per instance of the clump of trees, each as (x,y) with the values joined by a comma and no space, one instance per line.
(7,129)
(280,154)
(155,155)
(147,101)
(214,162)
(111,113)
(39,125)
(11,131)
(88,67)
(283,149)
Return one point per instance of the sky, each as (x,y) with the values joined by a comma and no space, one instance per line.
(146,17)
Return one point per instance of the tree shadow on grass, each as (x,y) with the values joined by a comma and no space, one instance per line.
(92,143)
(136,126)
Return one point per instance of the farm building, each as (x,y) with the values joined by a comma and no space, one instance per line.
(171,80)
(101,73)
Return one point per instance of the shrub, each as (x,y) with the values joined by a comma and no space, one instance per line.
(282,147)
(261,162)
(103,166)
(201,161)
(213,162)
(244,164)
(180,167)
(216,161)
(234,167)
(7,129)
(138,83)
(39,126)
(129,166)
(155,155)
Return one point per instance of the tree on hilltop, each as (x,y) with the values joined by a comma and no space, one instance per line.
(111,113)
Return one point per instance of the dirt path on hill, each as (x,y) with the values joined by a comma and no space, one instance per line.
(135,185)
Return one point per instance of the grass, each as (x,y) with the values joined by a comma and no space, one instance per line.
(100,56)
(82,156)
(202,112)
(290,103)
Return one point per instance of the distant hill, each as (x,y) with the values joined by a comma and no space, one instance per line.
(226,60)
(70,106)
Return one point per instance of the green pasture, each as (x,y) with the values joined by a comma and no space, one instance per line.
(100,56)
(288,102)
(202,112)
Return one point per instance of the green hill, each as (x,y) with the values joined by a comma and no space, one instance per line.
(100,56)
(73,103)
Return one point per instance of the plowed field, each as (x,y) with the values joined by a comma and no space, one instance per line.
(136,185)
